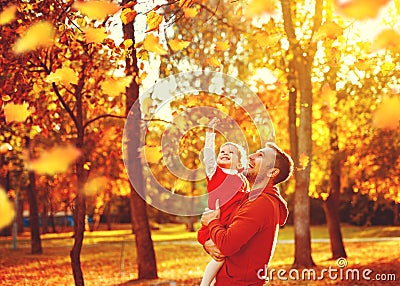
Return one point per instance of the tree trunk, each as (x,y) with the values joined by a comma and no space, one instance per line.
(147,267)
(331,205)
(36,243)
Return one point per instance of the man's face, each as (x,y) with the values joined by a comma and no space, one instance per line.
(228,157)
(260,163)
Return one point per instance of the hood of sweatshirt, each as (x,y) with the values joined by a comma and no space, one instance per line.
(283,209)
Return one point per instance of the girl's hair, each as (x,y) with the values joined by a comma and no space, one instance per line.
(242,153)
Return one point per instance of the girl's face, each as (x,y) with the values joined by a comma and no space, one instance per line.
(228,157)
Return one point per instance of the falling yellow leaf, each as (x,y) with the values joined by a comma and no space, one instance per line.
(329,30)
(152,154)
(214,62)
(259,7)
(304,160)
(95,186)
(128,15)
(115,86)
(56,160)
(153,21)
(190,12)
(152,44)
(328,95)
(17,112)
(6,97)
(360,9)
(177,45)
(387,39)
(5,147)
(38,35)
(387,115)
(95,35)
(7,211)
(222,46)
(8,14)
(63,75)
(96,9)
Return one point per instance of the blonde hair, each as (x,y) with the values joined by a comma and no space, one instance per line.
(242,153)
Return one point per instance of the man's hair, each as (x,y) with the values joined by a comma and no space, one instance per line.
(283,162)
(242,153)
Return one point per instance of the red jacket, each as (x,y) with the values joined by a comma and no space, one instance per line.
(249,240)
(229,189)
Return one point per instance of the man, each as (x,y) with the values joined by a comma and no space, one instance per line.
(248,242)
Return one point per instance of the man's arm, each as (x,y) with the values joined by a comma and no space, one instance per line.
(245,224)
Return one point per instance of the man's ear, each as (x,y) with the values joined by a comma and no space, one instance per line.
(273,172)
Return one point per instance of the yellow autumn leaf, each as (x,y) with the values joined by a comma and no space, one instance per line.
(39,35)
(214,62)
(95,35)
(8,14)
(64,75)
(304,160)
(152,154)
(152,44)
(7,211)
(56,160)
(95,186)
(360,9)
(387,115)
(222,45)
(128,15)
(259,7)
(387,67)
(266,40)
(362,64)
(127,43)
(153,21)
(329,30)
(115,86)
(96,9)
(185,3)
(17,112)
(328,95)
(5,147)
(190,12)
(387,39)
(6,98)
(177,45)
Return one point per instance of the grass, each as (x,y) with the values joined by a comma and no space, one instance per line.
(108,257)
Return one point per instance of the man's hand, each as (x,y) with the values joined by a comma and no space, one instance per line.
(211,125)
(210,215)
(213,250)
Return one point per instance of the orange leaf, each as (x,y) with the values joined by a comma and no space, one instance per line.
(114,87)
(56,160)
(387,115)
(17,112)
(329,30)
(38,35)
(96,9)
(152,44)
(95,35)
(222,46)
(8,14)
(153,21)
(95,186)
(7,211)
(190,12)
(304,160)
(214,62)
(360,9)
(128,15)
(387,39)
(259,7)
(63,75)
(177,45)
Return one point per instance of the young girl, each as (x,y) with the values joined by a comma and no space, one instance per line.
(225,183)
